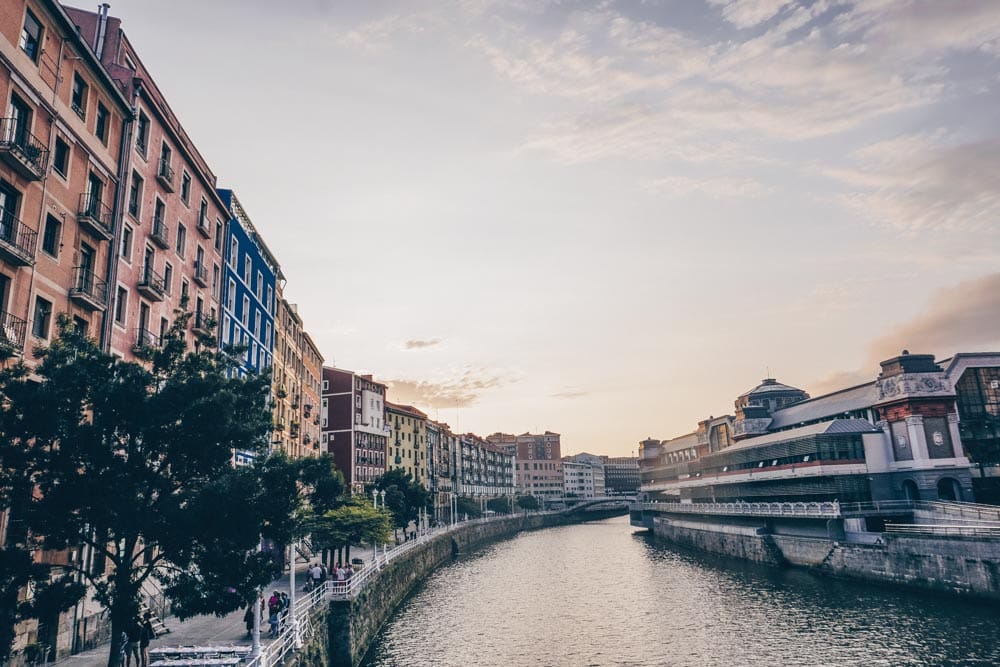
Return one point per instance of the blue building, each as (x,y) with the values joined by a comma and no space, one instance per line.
(248,293)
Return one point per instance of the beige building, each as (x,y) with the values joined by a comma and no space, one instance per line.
(407,446)
(297,384)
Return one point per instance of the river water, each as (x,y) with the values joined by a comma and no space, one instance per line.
(605,594)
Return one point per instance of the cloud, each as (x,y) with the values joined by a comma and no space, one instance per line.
(748,13)
(417,344)
(716,188)
(461,390)
(961,318)
(570,394)
(926,183)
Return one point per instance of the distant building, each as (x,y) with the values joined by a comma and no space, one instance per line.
(598,474)
(407,441)
(483,469)
(441,447)
(296,378)
(538,462)
(621,475)
(579,479)
(353,427)
(896,437)
(976,379)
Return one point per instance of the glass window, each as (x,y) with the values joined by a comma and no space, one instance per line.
(168,277)
(142,133)
(135,196)
(181,240)
(60,161)
(43,318)
(31,35)
(218,235)
(121,305)
(50,241)
(234,252)
(186,187)
(103,122)
(78,98)
(126,249)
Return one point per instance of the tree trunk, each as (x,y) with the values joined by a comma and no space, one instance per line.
(347,554)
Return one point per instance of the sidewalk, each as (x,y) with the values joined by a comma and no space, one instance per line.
(198,631)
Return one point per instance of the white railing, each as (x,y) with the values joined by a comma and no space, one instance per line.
(819,510)
(291,636)
(950,531)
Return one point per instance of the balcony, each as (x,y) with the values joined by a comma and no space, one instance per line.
(88,290)
(21,150)
(17,241)
(165,175)
(12,330)
(204,226)
(94,216)
(200,273)
(203,325)
(146,340)
(160,235)
(151,285)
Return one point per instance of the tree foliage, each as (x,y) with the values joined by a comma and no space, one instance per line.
(528,502)
(404,496)
(135,462)
(353,522)
(468,506)
(502,505)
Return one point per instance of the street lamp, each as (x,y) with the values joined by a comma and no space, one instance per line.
(374,498)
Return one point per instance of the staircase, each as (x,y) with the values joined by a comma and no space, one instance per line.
(151,590)
(158,625)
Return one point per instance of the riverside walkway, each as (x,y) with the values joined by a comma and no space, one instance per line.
(230,629)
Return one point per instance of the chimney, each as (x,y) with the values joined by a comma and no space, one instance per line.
(102,26)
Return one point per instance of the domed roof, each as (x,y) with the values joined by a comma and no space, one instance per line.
(770,386)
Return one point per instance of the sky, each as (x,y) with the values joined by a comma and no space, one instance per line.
(605,219)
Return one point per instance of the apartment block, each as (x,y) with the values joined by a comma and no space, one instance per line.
(538,462)
(297,376)
(353,425)
(483,469)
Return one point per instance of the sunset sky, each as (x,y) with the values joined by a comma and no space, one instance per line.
(605,219)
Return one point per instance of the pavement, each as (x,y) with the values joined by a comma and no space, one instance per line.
(199,630)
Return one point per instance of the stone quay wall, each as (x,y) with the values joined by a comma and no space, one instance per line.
(961,565)
(352,625)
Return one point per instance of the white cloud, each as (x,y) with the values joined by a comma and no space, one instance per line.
(716,188)
(748,13)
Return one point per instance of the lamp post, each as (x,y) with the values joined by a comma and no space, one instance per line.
(297,641)
(375,498)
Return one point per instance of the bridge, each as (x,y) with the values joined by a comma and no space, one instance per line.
(932,511)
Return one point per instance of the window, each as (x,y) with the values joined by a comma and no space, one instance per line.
(78,98)
(267,334)
(60,160)
(185,288)
(246,270)
(50,240)
(158,211)
(231,297)
(126,249)
(245,316)
(168,277)
(225,330)
(215,280)
(102,124)
(121,305)
(270,296)
(135,196)
(234,252)
(181,240)
(31,36)
(142,133)
(256,324)
(43,318)
(185,187)
(259,291)
(218,235)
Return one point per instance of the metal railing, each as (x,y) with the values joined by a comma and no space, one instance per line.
(95,211)
(16,237)
(165,172)
(949,531)
(160,235)
(12,331)
(819,510)
(144,338)
(87,284)
(15,138)
(201,273)
(152,281)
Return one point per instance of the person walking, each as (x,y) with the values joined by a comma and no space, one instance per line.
(316,573)
(132,633)
(146,635)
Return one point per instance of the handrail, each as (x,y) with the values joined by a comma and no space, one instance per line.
(934,529)
(818,509)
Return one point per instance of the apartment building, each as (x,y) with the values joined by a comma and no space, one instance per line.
(310,383)
(482,469)
(538,461)
(353,425)
(407,441)
(296,390)
(596,477)
(60,144)
(441,445)
(167,223)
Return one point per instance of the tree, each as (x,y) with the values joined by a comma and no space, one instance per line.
(136,463)
(355,521)
(502,505)
(468,506)
(527,502)
(404,496)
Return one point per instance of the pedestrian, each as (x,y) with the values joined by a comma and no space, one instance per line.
(316,573)
(132,633)
(272,620)
(274,603)
(147,635)
(323,573)
(248,619)
(283,608)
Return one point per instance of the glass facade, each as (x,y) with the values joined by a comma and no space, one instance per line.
(978,398)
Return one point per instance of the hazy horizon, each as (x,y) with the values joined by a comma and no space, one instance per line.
(605,219)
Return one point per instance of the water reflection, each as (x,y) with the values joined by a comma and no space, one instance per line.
(600,594)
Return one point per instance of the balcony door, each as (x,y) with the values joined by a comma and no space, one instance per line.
(9,200)
(4,296)
(143,323)
(20,122)
(95,190)
(147,264)
(86,278)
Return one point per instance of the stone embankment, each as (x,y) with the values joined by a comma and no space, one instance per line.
(962,565)
(353,624)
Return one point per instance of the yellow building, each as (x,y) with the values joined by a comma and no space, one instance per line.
(407,446)
(296,389)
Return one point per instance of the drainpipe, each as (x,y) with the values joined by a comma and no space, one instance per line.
(111,271)
(102,28)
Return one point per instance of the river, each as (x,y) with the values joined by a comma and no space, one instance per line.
(605,594)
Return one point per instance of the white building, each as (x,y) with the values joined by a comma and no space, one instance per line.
(582,479)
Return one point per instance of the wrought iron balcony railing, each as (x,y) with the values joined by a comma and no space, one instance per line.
(200,273)
(160,235)
(151,284)
(145,339)
(95,215)
(17,241)
(165,175)
(22,150)
(89,289)
(12,331)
